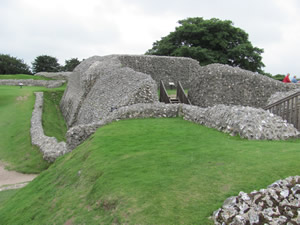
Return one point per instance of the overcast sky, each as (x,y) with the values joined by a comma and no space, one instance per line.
(82,28)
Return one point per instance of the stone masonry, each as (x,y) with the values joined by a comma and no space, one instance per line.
(55,75)
(31,82)
(223,84)
(165,68)
(49,146)
(247,122)
(99,85)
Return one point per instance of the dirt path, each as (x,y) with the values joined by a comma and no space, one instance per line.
(12,179)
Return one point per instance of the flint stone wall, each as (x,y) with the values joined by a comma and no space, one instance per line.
(49,146)
(276,205)
(31,82)
(250,123)
(165,68)
(55,75)
(101,84)
(280,95)
(223,84)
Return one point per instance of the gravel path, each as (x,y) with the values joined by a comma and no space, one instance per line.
(12,179)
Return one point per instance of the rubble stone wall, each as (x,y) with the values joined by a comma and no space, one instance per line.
(31,82)
(247,122)
(223,84)
(165,68)
(49,146)
(101,84)
(55,75)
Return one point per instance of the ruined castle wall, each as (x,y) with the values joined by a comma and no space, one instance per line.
(101,84)
(165,68)
(31,82)
(223,84)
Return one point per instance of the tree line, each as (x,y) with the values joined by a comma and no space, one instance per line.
(43,63)
(208,41)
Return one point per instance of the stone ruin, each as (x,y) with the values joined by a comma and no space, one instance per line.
(49,146)
(222,84)
(55,75)
(247,122)
(31,82)
(100,85)
(105,89)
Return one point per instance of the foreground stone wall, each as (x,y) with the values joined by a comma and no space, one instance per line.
(165,68)
(247,122)
(223,84)
(49,146)
(278,204)
(55,75)
(31,82)
(101,84)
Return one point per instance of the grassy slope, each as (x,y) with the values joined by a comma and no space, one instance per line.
(24,76)
(6,195)
(15,114)
(150,171)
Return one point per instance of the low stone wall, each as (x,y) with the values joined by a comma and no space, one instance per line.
(31,82)
(278,204)
(55,75)
(247,122)
(49,146)
(78,134)
(222,84)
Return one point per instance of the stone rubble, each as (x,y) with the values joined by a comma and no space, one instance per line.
(247,122)
(276,205)
(49,146)
(31,82)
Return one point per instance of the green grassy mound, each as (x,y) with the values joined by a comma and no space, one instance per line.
(16,109)
(24,76)
(150,171)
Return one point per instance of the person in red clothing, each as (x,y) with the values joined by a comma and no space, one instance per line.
(286,79)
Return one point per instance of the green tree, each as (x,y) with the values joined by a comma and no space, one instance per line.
(71,64)
(13,65)
(45,63)
(210,41)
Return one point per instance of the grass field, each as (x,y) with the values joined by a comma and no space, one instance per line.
(23,76)
(150,171)
(15,115)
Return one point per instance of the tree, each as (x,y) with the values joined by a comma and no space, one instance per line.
(12,65)
(279,77)
(71,64)
(210,41)
(45,63)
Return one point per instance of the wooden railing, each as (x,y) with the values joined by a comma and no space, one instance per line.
(180,94)
(163,95)
(287,108)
